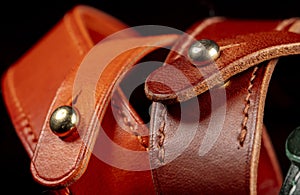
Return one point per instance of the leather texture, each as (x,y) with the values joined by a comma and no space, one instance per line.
(235,140)
(56,163)
(241,159)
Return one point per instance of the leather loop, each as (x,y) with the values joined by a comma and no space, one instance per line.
(238,53)
(66,170)
(193,147)
(56,162)
(68,42)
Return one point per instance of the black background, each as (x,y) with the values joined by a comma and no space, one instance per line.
(23,23)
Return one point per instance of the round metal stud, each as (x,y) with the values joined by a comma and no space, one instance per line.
(292,146)
(63,120)
(203,51)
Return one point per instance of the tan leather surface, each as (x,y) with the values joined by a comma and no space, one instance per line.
(43,79)
(64,169)
(103,178)
(217,156)
(42,69)
(31,84)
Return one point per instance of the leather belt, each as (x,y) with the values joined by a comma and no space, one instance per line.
(198,142)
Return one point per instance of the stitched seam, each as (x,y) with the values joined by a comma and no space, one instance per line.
(160,142)
(141,139)
(23,121)
(133,129)
(128,122)
(243,132)
(161,138)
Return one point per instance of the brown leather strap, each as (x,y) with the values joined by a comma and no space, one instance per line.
(59,163)
(65,170)
(239,51)
(210,143)
(30,102)
(31,83)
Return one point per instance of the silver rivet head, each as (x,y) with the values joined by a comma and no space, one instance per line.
(203,52)
(63,120)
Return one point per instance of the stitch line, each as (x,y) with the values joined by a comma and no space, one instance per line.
(243,133)
(131,126)
(160,142)
(161,138)
(23,121)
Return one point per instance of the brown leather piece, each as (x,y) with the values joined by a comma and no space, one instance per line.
(238,53)
(27,100)
(226,167)
(101,177)
(66,169)
(128,121)
(28,103)
(194,149)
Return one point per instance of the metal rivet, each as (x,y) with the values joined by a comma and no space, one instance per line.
(203,51)
(63,120)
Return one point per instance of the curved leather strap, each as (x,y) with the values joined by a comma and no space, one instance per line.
(59,163)
(239,51)
(66,169)
(30,85)
(206,144)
